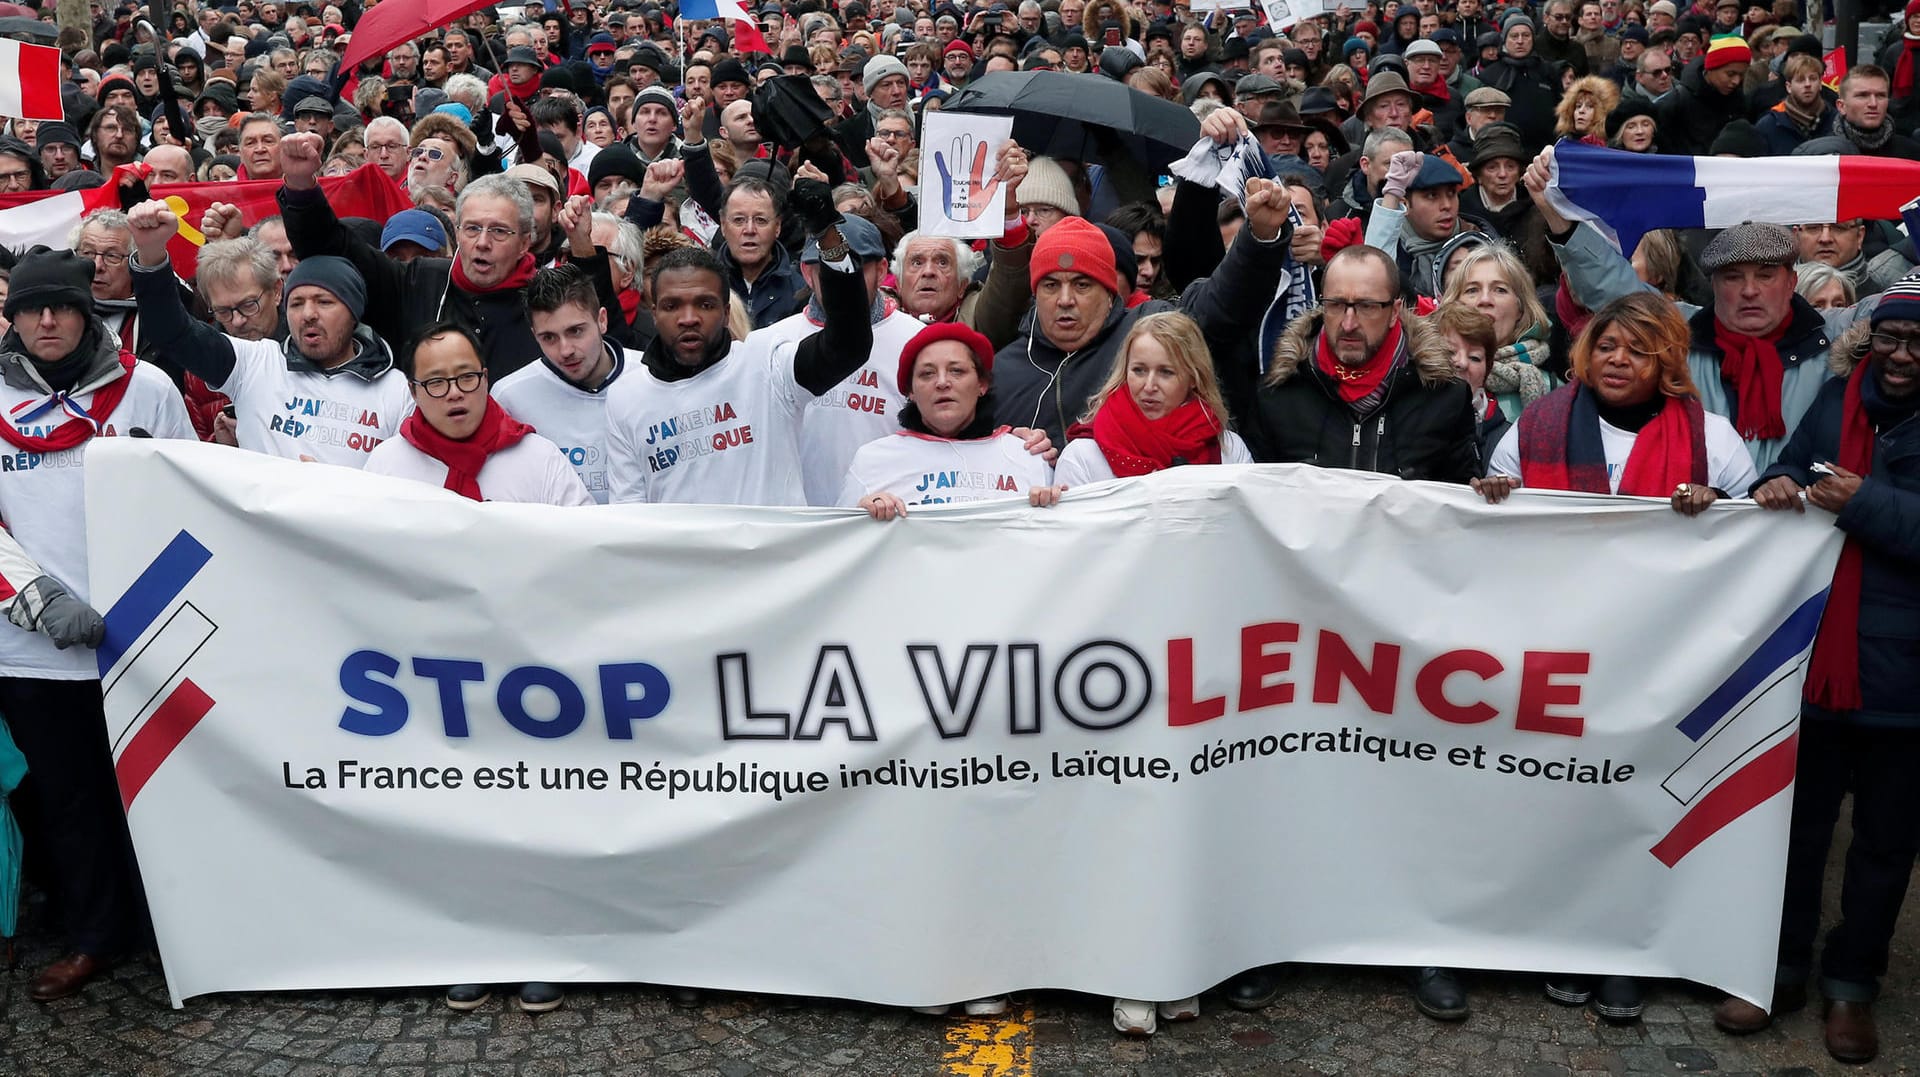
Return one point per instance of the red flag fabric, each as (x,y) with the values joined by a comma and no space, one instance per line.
(1836,68)
(364,192)
(393,21)
(30,81)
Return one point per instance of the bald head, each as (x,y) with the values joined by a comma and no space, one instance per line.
(171,164)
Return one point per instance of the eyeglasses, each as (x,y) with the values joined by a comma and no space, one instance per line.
(246,308)
(742,220)
(112,258)
(1366,308)
(499,233)
(466,383)
(1887,344)
(431,153)
(21,176)
(1836,229)
(890,136)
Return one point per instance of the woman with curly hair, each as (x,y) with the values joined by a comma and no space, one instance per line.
(1582,112)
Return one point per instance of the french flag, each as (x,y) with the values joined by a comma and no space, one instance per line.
(30,81)
(746,35)
(1627,194)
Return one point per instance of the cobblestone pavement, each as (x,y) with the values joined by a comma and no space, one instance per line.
(1327,1021)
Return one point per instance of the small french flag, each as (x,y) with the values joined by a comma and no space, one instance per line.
(1629,194)
(29,81)
(746,35)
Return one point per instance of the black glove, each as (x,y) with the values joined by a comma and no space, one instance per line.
(812,202)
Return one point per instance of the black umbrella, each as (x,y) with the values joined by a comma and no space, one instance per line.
(1083,117)
(22,28)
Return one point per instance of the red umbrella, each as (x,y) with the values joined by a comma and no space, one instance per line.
(18,9)
(396,21)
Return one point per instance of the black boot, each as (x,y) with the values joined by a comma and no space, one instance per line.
(1253,989)
(1438,994)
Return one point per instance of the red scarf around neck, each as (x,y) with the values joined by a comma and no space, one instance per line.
(1356,383)
(77,430)
(1437,89)
(1753,365)
(522,273)
(1668,451)
(464,459)
(1903,68)
(1833,680)
(1136,445)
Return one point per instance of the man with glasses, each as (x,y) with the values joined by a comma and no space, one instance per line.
(387,146)
(1555,42)
(115,134)
(1652,77)
(1863,690)
(759,268)
(435,163)
(105,240)
(483,286)
(20,168)
(326,391)
(1361,384)
(1842,245)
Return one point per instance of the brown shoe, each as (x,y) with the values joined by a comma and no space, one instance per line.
(1851,1036)
(1738,1016)
(65,977)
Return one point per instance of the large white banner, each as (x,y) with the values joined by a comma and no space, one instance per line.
(373,734)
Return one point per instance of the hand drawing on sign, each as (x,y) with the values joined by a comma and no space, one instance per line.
(967,199)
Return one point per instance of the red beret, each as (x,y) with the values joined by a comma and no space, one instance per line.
(982,348)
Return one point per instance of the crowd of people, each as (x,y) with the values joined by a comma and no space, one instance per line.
(648,260)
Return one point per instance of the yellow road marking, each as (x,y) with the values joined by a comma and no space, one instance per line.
(991,1048)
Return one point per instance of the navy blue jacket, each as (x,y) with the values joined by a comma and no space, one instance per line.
(1884,517)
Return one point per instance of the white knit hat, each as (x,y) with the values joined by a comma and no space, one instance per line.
(1047,185)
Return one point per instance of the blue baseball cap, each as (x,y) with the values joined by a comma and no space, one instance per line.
(414,225)
(863,240)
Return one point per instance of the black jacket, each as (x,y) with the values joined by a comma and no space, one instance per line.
(1038,385)
(405,297)
(1294,415)
(1884,518)
(1534,93)
(1694,114)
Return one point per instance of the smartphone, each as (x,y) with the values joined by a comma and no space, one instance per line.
(1111,32)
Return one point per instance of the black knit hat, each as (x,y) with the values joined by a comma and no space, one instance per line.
(336,275)
(731,70)
(45,278)
(616,160)
(1740,139)
(1627,109)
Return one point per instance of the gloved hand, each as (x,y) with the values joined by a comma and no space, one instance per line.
(1401,170)
(812,201)
(63,618)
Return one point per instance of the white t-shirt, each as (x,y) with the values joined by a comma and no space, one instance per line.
(1729,465)
(43,501)
(532,471)
(336,419)
(863,407)
(1082,461)
(729,435)
(567,415)
(923,470)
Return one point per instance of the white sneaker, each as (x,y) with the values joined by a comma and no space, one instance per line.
(1132,1017)
(1184,1009)
(987,1007)
(933,1011)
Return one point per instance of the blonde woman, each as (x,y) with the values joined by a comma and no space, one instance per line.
(1493,281)
(1160,407)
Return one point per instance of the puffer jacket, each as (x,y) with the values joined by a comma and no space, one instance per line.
(1883,516)
(1694,114)
(1425,428)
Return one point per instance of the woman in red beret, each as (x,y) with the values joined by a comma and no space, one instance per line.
(950,449)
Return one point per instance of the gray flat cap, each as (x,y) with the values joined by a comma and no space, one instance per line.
(1765,244)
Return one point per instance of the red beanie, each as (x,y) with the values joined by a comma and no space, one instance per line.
(938,331)
(1075,246)
(1365,26)
(1913,8)
(1724,49)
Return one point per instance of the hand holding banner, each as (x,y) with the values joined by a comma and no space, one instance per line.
(969,201)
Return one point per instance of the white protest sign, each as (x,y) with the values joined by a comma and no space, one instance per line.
(1282,14)
(960,190)
(374,734)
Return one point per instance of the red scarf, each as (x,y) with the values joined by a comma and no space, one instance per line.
(1833,680)
(464,459)
(86,422)
(1436,90)
(1356,383)
(1668,451)
(1753,365)
(1903,68)
(629,303)
(1136,445)
(518,278)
